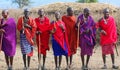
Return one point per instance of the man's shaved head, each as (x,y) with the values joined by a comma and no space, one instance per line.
(70,11)
(5,13)
(106,13)
(41,12)
(86,12)
(106,10)
(26,13)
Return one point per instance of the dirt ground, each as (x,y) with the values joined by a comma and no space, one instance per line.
(95,61)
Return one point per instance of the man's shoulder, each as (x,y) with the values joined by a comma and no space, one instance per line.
(111,17)
(80,16)
(64,16)
(46,17)
(100,19)
(37,18)
(21,17)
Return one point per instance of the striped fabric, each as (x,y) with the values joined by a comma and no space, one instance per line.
(26,48)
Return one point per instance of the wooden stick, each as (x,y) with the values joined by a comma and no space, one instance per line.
(78,35)
(96,47)
(1,41)
(23,25)
(116,49)
(1,21)
(39,48)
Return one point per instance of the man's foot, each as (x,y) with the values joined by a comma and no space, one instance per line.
(83,68)
(28,68)
(10,68)
(25,68)
(86,68)
(43,68)
(104,67)
(56,68)
(67,68)
(59,68)
(39,67)
(70,66)
(115,67)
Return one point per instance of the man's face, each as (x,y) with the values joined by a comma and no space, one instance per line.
(86,13)
(57,15)
(106,14)
(70,11)
(41,12)
(26,13)
(5,14)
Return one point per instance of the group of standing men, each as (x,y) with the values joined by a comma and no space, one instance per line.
(67,33)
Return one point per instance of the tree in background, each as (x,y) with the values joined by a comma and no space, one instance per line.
(22,3)
(87,1)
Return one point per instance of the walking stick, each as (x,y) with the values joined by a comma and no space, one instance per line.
(1,41)
(96,47)
(78,35)
(39,58)
(1,21)
(116,49)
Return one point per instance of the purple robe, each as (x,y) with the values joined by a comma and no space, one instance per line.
(9,37)
(87,40)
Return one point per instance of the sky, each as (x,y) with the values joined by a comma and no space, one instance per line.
(6,4)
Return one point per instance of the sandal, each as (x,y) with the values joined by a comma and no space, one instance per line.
(83,68)
(115,67)
(25,68)
(104,67)
(39,67)
(56,68)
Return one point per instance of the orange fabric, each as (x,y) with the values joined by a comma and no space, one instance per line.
(44,27)
(71,32)
(29,33)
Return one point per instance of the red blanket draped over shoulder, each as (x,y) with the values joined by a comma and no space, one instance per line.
(110,29)
(28,32)
(61,36)
(43,27)
(71,32)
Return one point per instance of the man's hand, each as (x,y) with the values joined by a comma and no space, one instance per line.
(62,27)
(2,25)
(27,26)
(114,43)
(22,31)
(103,32)
(2,31)
(87,31)
(53,30)
(38,32)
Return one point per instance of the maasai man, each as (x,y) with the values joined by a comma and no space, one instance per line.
(42,35)
(59,40)
(8,35)
(27,28)
(69,21)
(108,37)
(87,32)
